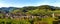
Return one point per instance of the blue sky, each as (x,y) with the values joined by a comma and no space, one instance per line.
(21,3)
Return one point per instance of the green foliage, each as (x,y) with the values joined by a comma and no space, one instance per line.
(1,14)
(38,12)
(13,21)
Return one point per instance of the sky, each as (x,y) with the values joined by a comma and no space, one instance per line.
(22,3)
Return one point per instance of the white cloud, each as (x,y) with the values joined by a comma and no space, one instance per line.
(3,5)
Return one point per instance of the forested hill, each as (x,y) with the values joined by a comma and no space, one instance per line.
(34,10)
(7,9)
